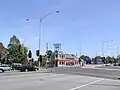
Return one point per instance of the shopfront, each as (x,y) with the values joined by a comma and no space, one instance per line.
(68,63)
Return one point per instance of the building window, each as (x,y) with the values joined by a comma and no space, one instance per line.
(60,55)
(56,55)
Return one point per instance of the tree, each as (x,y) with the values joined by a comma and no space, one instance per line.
(118,58)
(14,41)
(108,59)
(82,57)
(51,56)
(17,51)
(114,60)
(3,53)
(49,53)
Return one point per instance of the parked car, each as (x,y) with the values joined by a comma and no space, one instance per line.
(109,64)
(16,67)
(5,68)
(115,64)
(24,68)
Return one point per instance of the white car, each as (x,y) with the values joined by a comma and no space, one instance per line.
(5,68)
(109,64)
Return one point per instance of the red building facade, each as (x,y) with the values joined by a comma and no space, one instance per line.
(66,60)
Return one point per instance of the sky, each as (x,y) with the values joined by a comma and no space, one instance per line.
(81,25)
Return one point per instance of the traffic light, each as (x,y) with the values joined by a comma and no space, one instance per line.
(37,53)
(30,54)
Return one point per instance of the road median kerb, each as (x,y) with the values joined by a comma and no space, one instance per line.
(19,73)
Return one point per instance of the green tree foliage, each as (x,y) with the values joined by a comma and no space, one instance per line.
(17,51)
(14,41)
(118,58)
(82,57)
(103,60)
(114,60)
(49,53)
(108,59)
(3,53)
(2,48)
(51,56)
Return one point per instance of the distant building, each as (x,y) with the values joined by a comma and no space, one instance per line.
(66,60)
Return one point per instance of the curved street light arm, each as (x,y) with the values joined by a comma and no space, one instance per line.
(49,13)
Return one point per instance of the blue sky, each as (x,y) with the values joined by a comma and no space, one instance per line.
(81,25)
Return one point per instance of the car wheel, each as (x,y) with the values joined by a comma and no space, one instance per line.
(36,69)
(26,70)
(2,70)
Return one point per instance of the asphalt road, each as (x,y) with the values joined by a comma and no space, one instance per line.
(52,81)
(110,67)
(102,73)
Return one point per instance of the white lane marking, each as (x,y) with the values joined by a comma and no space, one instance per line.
(86,84)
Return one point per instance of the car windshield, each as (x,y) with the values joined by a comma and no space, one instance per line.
(3,66)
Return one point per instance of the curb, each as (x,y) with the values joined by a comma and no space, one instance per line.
(24,73)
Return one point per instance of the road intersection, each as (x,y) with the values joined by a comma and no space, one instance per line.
(53,81)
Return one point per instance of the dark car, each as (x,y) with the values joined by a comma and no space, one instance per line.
(24,68)
(16,67)
(116,64)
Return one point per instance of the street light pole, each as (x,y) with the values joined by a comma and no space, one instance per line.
(40,30)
